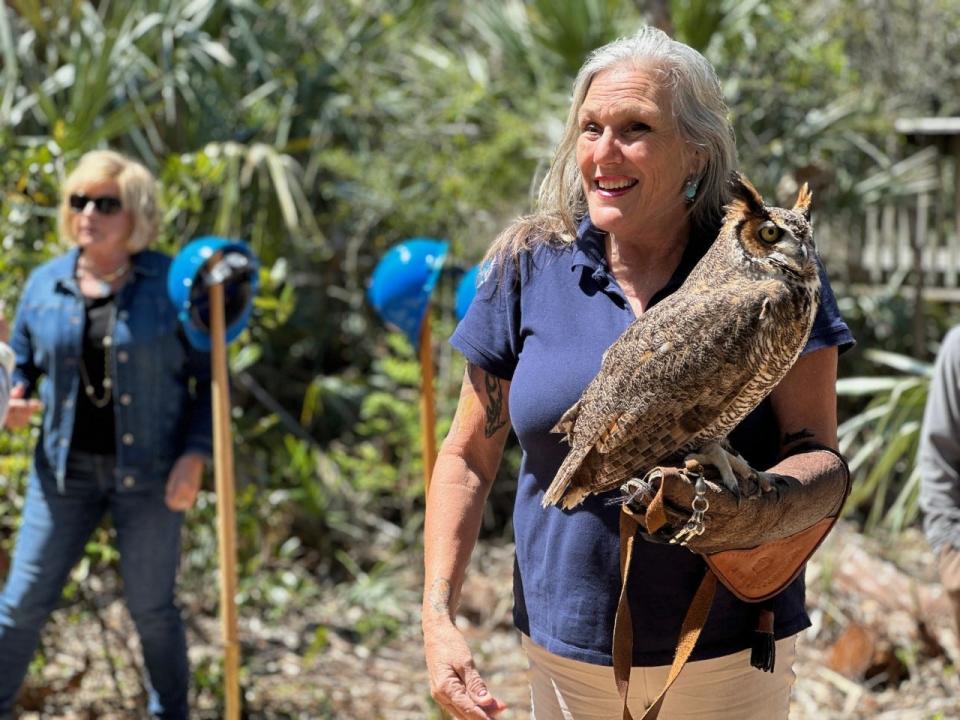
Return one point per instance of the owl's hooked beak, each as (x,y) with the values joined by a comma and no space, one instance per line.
(798,261)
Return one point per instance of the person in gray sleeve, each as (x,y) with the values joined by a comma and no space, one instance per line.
(939,461)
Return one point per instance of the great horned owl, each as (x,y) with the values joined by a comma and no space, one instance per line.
(689,369)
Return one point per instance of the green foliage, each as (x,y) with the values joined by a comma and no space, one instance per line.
(882,440)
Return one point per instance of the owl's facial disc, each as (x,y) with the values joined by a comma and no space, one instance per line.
(792,254)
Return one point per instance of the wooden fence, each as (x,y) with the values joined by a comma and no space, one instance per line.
(911,234)
(908,234)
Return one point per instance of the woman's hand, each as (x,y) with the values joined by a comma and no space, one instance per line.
(454,681)
(20,408)
(183,484)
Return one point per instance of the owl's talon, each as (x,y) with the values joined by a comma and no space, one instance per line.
(736,475)
(765,482)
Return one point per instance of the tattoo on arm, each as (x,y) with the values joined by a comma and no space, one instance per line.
(494,408)
(440,596)
(792,437)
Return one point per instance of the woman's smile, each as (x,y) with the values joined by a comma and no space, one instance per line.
(613,186)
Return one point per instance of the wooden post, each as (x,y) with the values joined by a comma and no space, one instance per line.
(955,240)
(226,522)
(917,241)
(428,416)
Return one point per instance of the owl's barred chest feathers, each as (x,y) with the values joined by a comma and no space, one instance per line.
(690,369)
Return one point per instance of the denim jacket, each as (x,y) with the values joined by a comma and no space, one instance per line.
(160,414)
(7,360)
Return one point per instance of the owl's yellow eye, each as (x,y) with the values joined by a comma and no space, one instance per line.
(770,233)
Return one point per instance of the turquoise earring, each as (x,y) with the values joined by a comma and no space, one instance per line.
(690,189)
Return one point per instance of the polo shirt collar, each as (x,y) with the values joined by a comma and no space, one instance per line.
(589,246)
(590,252)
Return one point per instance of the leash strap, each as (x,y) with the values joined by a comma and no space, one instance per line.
(692,625)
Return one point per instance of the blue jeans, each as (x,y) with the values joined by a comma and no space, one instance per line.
(51,540)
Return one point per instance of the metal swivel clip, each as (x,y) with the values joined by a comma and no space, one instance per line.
(696,525)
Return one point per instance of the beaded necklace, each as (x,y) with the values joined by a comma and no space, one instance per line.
(107,385)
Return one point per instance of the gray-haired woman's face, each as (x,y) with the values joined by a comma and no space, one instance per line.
(632,159)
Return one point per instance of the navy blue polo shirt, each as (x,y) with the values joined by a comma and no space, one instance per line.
(546,332)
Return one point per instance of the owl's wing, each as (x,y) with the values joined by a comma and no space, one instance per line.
(669,378)
(679,371)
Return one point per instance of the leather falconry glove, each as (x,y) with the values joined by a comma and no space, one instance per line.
(751,544)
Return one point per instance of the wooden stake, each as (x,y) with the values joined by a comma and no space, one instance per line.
(428,417)
(226,522)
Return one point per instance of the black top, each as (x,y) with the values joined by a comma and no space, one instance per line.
(94,428)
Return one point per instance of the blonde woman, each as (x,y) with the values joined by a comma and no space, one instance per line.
(123,431)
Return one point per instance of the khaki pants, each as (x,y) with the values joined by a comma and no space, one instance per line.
(949,566)
(724,688)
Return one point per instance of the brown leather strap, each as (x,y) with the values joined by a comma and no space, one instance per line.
(690,630)
(693,624)
(623,623)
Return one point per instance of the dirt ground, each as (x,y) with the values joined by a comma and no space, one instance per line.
(312,663)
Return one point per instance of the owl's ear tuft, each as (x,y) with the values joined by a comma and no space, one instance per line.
(803,201)
(746,195)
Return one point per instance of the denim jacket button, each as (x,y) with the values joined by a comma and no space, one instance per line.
(122,356)
(126,399)
(64,442)
(127,439)
(129,481)
(123,315)
(68,403)
(74,320)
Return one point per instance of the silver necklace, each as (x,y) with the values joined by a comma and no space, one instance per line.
(103,282)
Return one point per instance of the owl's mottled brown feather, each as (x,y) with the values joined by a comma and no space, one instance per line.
(689,369)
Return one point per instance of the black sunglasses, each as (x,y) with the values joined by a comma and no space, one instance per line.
(105,204)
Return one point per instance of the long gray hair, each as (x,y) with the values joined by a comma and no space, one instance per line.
(699,111)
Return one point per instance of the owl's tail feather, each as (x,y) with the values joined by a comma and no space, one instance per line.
(568,485)
(569,419)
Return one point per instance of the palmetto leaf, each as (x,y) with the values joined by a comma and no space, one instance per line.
(884,438)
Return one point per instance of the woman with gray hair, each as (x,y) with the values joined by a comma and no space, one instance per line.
(633,198)
(125,428)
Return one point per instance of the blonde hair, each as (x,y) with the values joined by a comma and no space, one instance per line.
(699,111)
(138,194)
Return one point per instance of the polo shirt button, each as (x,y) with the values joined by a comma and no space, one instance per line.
(68,403)
(123,356)
(127,439)
(74,320)
(129,481)
(64,442)
(126,399)
(123,314)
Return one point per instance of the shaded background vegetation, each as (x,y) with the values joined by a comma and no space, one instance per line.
(324,132)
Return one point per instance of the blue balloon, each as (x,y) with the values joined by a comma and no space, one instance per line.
(402,282)
(190,277)
(466,289)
